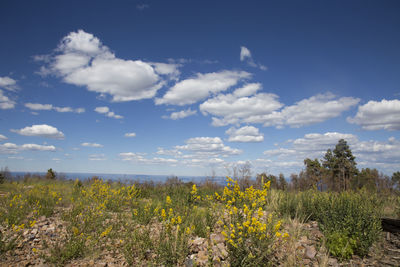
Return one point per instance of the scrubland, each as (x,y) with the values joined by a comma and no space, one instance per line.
(183,224)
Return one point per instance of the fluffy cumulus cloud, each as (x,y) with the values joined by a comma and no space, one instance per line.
(91,145)
(8,83)
(130,135)
(238,107)
(384,155)
(194,89)
(106,111)
(180,114)
(265,108)
(81,59)
(37,106)
(316,109)
(245,55)
(11,148)
(5,101)
(245,134)
(41,130)
(374,115)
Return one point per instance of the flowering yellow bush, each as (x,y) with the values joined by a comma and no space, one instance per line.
(249,234)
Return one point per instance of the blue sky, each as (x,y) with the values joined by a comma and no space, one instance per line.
(192,87)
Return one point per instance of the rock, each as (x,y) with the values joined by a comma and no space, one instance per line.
(304,240)
(189,262)
(202,257)
(34,231)
(198,241)
(199,244)
(50,229)
(333,262)
(317,234)
(217,238)
(310,252)
(222,251)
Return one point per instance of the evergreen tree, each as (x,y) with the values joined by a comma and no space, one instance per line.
(340,165)
(396,179)
(313,172)
(51,175)
(282,182)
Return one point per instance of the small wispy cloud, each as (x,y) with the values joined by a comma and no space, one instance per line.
(142,6)
(91,145)
(38,106)
(180,114)
(8,83)
(106,111)
(245,56)
(130,134)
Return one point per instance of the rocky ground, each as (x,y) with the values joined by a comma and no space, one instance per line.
(304,249)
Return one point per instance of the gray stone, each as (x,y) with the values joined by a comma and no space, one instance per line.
(310,252)
(333,262)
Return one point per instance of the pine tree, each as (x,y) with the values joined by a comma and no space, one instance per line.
(340,165)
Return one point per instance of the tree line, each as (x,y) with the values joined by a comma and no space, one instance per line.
(337,171)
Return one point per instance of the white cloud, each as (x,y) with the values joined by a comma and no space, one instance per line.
(316,109)
(139,158)
(245,55)
(130,134)
(37,106)
(207,147)
(81,59)
(42,130)
(106,111)
(171,152)
(264,108)
(102,110)
(245,134)
(247,90)
(194,89)
(35,147)
(170,69)
(5,102)
(180,114)
(2,137)
(232,109)
(69,109)
(8,83)
(374,115)
(91,145)
(11,148)
(97,157)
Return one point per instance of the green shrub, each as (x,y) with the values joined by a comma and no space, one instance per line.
(356,216)
(72,249)
(340,245)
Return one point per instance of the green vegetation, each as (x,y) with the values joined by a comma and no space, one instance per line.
(155,224)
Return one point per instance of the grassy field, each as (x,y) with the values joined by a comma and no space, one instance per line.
(176,223)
